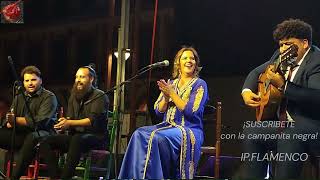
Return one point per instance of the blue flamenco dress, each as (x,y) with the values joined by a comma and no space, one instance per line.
(170,149)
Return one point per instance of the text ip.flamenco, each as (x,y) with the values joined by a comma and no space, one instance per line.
(274,156)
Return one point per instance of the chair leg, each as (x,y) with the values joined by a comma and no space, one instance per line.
(87,168)
(36,167)
(8,169)
(109,166)
(30,172)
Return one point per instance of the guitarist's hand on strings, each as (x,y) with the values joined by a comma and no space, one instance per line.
(276,79)
(250,99)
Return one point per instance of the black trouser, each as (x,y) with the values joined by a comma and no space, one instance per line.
(74,145)
(26,141)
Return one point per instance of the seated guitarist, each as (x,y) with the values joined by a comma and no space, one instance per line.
(301,94)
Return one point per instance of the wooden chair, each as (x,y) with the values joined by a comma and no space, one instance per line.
(34,168)
(93,156)
(214,150)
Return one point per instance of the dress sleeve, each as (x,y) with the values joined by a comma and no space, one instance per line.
(156,106)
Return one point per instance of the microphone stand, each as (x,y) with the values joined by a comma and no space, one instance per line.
(19,89)
(116,125)
(155,65)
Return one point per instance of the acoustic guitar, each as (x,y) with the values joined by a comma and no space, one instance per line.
(270,96)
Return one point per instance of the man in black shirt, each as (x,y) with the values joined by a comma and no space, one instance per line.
(86,122)
(29,125)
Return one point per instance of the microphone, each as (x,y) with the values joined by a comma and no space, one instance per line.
(12,68)
(159,64)
(17,83)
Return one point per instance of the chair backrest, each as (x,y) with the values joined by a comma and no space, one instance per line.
(216,149)
(215,113)
(218,139)
(96,154)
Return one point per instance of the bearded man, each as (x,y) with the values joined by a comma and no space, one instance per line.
(86,122)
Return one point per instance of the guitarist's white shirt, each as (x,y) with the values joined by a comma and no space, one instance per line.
(295,70)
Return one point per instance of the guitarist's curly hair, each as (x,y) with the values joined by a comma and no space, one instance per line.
(293,28)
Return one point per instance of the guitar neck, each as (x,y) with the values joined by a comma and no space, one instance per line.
(277,64)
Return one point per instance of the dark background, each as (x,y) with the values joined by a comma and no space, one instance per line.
(231,36)
(234,36)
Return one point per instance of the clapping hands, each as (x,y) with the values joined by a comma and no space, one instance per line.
(166,88)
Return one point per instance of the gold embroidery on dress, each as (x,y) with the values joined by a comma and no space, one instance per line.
(149,149)
(192,81)
(191,169)
(183,152)
(160,123)
(182,120)
(173,113)
(155,106)
(191,162)
(186,94)
(198,99)
(175,83)
(168,115)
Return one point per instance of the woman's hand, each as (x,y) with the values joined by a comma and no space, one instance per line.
(166,88)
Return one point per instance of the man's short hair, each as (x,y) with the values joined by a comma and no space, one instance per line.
(293,28)
(30,70)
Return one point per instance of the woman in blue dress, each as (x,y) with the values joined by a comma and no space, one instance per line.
(171,149)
